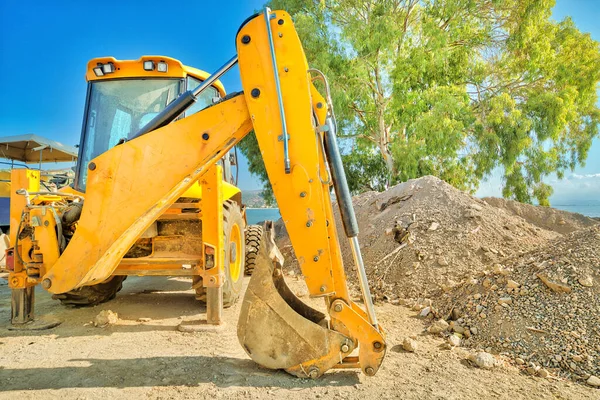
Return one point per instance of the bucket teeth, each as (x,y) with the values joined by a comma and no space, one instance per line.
(277,329)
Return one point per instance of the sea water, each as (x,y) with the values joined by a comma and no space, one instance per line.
(256,215)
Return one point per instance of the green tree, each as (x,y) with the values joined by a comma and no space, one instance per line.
(454,88)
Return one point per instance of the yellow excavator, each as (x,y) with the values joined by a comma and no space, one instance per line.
(153,196)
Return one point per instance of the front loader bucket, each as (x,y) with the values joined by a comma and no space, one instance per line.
(277,329)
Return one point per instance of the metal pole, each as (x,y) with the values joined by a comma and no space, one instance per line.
(286,151)
(362,280)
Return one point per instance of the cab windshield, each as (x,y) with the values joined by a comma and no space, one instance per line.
(117,110)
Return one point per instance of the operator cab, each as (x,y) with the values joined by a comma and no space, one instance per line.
(124,95)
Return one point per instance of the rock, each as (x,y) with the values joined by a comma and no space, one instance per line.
(484,360)
(106,317)
(410,345)
(558,358)
(434,226)
(512,284)
(389,231)
(476,207)
(454,340)
(586,281)
(458,329)
(477,296)
(473,330)
(577,358)
(144,319)
(442,261)
(531,370)
(554,286)
(543,373)
(425,312)
(486,283)
(593,381)
(438,326)
(519,361)
(505,300)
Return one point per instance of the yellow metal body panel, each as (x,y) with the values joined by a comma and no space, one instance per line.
(195,191)
(115,213)
(135,69)
(212,225)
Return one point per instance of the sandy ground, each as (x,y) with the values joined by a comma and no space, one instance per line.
(153,360)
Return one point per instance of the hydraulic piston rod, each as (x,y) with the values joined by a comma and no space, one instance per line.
(342,192)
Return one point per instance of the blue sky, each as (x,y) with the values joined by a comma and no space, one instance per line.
(45,46)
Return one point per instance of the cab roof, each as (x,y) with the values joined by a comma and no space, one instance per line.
(135,69)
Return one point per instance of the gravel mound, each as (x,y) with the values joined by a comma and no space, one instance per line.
(424,235)
(544,217)
(542,308)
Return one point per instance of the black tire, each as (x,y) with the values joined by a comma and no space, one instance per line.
(233,227)
(92,295)
(253,236)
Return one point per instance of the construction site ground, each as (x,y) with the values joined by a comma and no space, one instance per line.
(143,355)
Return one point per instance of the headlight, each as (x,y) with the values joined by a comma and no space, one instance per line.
(108,68)
(162,67)
(98,71)
(149,65)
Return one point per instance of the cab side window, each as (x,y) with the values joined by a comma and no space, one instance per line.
(205,99)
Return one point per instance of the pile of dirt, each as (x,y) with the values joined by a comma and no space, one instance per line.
(424,235)
(544,217)
(541,308)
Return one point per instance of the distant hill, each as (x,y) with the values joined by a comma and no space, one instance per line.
(253,199)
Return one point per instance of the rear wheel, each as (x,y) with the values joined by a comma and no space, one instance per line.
(92,295)
(253,236)
(233,231)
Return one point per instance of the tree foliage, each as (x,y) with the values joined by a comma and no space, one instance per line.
(454,88)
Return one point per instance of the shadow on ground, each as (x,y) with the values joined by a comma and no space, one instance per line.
(163,371)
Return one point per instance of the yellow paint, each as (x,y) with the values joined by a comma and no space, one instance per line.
(135,69)
(212,225)
(107,229)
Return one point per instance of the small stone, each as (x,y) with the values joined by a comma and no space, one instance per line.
(531,370)
(458,329)
(438,326)
(519,361)
(410,345)
(482,316)
(479,308)
(473,330)
(586,281)
(442,261)
(477,296)
(512,284)
(486,283)
(543,373)
(434,226)
(144,319)
(558,358)
(476,207)
(106,317)
(505,300)
(593,381)
(577,358)
(454,340)
(389,231)
(425,312)
(554,286)
(484,360)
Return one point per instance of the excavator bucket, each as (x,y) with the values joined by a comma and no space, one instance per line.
(277,329)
